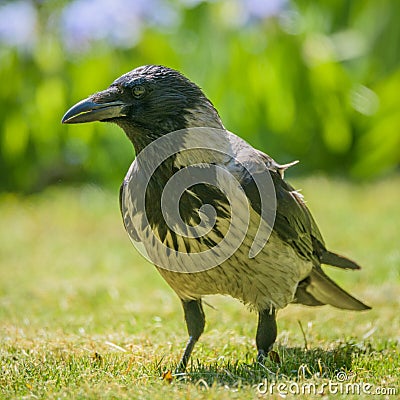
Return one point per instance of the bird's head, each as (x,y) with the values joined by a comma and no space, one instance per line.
(147,103)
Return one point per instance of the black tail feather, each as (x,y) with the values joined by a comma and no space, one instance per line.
(319,289)
(337,260)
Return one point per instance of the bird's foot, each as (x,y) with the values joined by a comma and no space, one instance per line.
(180,370)
(261,356)
(271,354)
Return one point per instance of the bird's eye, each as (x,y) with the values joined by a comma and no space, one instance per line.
(138,91)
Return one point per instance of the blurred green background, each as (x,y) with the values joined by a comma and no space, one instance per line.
(314,81)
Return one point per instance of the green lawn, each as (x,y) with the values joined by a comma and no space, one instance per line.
(82,315)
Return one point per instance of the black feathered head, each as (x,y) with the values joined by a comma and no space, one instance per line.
(148,102)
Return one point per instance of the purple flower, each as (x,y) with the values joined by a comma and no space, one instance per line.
(119,21)
(18,24)
(264,8)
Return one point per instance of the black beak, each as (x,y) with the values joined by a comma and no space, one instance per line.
(94,108)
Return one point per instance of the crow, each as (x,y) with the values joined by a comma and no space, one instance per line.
(221,187)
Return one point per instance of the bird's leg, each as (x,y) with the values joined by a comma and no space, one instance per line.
(266,332)
(195,321)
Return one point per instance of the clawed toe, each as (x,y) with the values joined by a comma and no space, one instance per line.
(272,355)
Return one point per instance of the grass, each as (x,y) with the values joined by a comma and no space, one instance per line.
(83,316)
